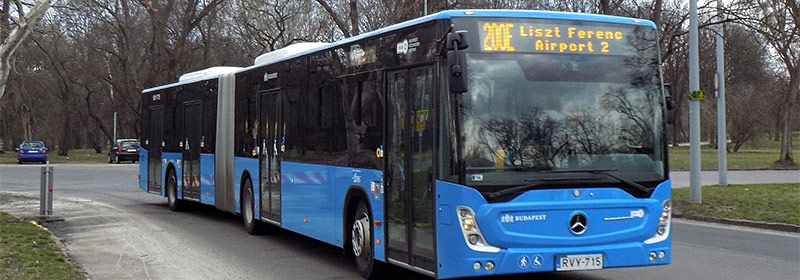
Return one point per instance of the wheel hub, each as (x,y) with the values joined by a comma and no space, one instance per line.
(360,234)
(248,202)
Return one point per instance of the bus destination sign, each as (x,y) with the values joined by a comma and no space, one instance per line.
(555,38)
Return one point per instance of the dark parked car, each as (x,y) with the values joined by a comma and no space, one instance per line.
(33,150)
(124,149)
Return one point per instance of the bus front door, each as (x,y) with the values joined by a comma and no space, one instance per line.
(192,118)
(410,167)
(269,156)
(153,144)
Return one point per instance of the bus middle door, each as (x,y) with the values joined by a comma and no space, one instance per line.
(271,147)
(192,118)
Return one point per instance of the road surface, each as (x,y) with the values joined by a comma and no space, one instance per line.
(115,231)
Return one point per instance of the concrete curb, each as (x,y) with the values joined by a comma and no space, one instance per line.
(746,223)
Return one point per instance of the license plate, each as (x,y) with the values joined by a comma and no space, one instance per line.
(33,152)
(579,262)
(131,151)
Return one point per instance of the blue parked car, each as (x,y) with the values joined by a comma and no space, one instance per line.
(33,150)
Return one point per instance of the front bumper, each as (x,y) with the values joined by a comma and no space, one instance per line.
(620,242)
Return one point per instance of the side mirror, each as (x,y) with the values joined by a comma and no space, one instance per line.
(670,103)
(455,44)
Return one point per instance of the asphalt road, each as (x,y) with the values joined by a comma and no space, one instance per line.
(115,231)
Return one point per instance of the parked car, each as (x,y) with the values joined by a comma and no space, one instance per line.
(124,149)
(32,151)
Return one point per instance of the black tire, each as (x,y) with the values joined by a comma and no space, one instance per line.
(19,162)
(361,243)
(110,159)
(173,202)
(253,226)
(116,159)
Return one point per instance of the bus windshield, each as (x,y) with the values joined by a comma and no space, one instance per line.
(527,116)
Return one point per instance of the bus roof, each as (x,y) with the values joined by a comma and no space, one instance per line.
(437,16)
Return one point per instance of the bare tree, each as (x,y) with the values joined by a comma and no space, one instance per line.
(778,23)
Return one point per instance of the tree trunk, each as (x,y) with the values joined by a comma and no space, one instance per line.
(15,38)
(354,17)
(339,22)
(790,101)
(63,147)
(605,7)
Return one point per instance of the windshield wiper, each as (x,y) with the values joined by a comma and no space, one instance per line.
(535,183)
(604,172)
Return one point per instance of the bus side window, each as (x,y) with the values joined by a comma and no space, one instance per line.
(372,122)
(291,119)
(251,128)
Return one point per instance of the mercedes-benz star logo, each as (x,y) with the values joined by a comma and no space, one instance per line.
(577,224)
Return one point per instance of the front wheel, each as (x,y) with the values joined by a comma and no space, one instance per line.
(172,192)
(361,242)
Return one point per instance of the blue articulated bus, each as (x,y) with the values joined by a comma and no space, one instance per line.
(463,143)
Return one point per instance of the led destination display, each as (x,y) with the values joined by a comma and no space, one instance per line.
(533,37)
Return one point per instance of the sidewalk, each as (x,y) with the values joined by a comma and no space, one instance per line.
(680,179)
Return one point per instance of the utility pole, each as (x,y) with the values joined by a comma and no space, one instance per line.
(695,194)
(722,149)
(425,7)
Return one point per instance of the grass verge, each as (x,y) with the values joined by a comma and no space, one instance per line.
(742,160)
(75,156)
(757,154)
(757,202)
(27,252)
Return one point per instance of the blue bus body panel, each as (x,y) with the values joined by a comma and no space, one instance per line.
(241,166)
(312,199)
(175,160)
(207,179)
(143,169)
(534,227)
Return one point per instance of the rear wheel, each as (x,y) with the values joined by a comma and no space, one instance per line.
(361,243)
(248,209)
(172,192)
(116,158)
(110,159)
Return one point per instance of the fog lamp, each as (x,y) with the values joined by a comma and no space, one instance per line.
(473,239)
(661,229)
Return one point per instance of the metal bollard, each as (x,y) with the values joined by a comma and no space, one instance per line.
(43,192)
(46,191)
(50,191)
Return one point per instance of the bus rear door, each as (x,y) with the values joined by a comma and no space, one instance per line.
(153,144)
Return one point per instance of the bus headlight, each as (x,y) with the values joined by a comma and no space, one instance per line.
(664,221)
(472,233)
